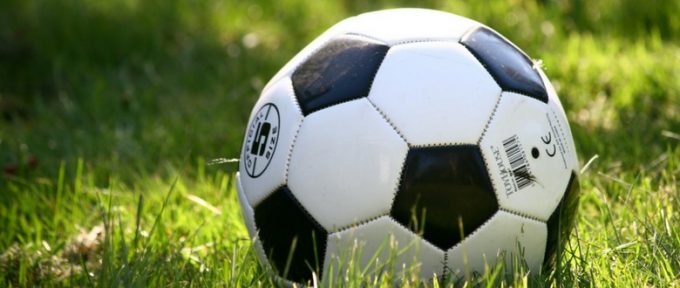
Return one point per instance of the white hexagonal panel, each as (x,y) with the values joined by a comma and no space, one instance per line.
(410,24)
(528,154)
(345,164)
(560,118)
(435,93)
(381,244)
(249,219)
(505,234)
(269,136)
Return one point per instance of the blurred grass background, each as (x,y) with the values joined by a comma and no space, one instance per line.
(110,110)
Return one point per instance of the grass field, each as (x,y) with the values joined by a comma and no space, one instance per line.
(113,110)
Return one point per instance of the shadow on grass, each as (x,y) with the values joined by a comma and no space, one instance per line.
(135,85)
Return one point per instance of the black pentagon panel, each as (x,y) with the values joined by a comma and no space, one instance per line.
(561,222)
(342,70)
(509,66)
(281,220)
(441,185)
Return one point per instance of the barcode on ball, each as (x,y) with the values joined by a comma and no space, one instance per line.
(518,162)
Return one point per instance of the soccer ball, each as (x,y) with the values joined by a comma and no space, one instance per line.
(415,127)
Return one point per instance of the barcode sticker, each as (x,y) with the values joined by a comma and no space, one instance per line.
(518,162)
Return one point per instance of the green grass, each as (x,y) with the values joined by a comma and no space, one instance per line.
(111,109)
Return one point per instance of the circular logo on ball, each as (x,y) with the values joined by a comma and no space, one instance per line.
(263,135)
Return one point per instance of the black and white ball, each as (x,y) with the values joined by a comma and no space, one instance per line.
(414,125)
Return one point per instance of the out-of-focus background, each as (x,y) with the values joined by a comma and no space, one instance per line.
(110,112)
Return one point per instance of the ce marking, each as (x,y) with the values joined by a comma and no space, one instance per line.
(546,140)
